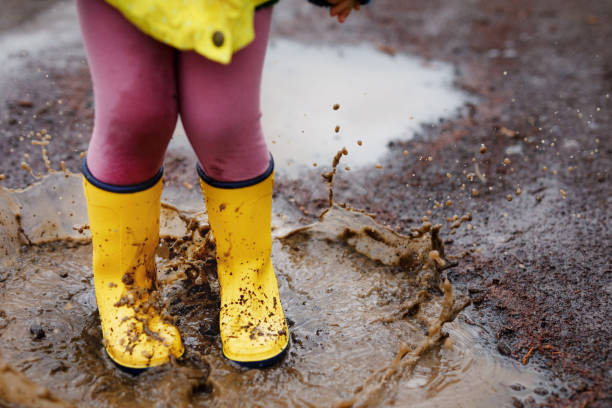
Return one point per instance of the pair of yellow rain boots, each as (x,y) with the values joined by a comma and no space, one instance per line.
(124,223)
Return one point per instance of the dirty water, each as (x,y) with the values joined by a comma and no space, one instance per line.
(370,315)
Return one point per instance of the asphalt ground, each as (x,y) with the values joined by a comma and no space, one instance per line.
(538,266)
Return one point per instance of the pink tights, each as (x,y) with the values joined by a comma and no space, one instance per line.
(142,85)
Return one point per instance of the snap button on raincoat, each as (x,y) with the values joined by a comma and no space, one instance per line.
(213,28)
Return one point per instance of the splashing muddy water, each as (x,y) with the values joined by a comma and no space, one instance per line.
(368,310)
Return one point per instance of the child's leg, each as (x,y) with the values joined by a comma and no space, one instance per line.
(219,107)
(135,96)
(136,110)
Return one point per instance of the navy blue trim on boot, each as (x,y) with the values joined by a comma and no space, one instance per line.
(266,4)
(263,363)
(128,370)
(135,188)
(236,184)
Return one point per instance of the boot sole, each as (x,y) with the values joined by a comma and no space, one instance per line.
(262,363)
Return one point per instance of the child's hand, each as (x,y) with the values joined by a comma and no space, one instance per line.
(342,8)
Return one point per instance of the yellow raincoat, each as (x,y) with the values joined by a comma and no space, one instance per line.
(213,28)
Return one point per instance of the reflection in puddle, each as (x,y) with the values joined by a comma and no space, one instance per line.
(365,307)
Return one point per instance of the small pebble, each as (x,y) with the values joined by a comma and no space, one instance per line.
(541,391)
(579,385)
(530,401)
(503,348)
(36,331)
(517,387)
(478,298)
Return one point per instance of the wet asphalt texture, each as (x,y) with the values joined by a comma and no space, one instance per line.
(537,267)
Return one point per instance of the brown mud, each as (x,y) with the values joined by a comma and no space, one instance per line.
(538,267)
(366,307)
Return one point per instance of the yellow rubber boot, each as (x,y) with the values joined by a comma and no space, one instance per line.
(124,223)
(252,322)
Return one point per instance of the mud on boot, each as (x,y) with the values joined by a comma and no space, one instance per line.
(252,323)
(124,223)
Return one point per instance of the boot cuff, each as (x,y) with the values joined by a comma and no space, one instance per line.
(236,184)
(113,188)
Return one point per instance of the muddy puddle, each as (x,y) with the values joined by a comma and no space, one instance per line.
(402,94)
(373,319)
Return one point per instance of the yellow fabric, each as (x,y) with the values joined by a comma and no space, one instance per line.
(252,322)
(124,233)
(193,24)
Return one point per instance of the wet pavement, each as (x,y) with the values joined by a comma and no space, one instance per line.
(534,257)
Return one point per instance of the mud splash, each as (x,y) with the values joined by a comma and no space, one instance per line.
(366,307)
